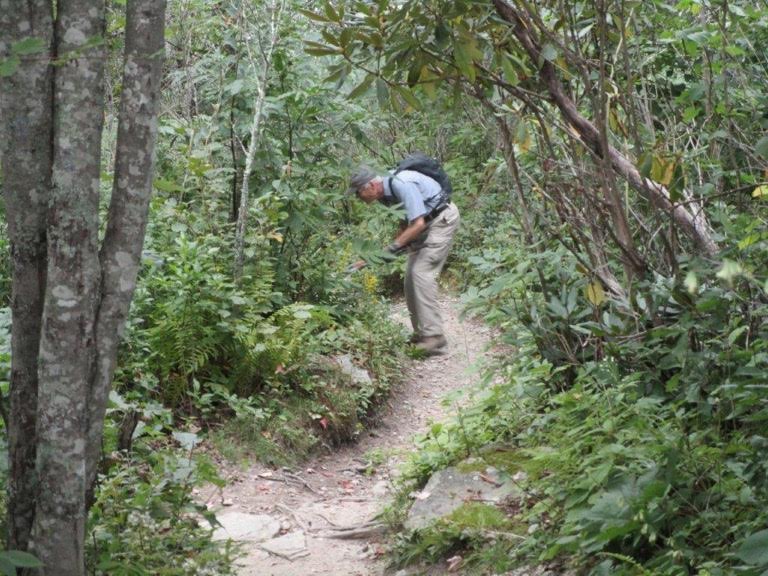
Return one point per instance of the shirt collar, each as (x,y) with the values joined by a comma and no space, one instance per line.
(387,187)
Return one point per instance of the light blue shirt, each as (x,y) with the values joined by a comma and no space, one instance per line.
(419,194)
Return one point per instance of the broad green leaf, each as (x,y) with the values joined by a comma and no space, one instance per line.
(549,52)
(362,87)
(594,293)
(522,136)
(662,171)
(414,72)
(338,75)
(8,66)
(345,36)
(382,92)
(6,568)
(330,38)
(510,74)
(429,87)
(21,559)
(409,97)
(750,239)
(330,13)
(318,49)
(754,550)
(442,35)
(645,164)
(462,55)
(313,16)
(690,113)
(28,46)
(166,185)
(668,173)
(557,308)
(615,122)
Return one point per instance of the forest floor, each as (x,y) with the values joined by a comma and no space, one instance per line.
(304,512)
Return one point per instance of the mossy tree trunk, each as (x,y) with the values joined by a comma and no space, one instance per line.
(26,121)
(70,298)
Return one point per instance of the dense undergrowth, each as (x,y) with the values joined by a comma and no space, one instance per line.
(640,427)
(631,398)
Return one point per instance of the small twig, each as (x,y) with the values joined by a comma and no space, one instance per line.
(217,491)
(490,480)
(272,478)
(324,517)
(303,482)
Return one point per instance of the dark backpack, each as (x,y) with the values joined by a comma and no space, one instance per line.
(419,162)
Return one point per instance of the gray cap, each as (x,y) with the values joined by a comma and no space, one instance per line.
(359,178)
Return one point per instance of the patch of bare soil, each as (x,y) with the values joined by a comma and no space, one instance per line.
(326,510)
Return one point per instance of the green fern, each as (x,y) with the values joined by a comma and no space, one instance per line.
(631,561)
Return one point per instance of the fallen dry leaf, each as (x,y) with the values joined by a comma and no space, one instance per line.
(454,563)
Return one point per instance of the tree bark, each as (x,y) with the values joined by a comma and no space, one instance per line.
(634,263)
(25,136)
(120,254)
(265,55)
(67,342)
(694,225)
(70,302)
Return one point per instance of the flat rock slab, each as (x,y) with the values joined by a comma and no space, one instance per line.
(448,489)
(243,527)
(358,375)
(289,546)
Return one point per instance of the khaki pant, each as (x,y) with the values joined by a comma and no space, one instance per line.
(426,257)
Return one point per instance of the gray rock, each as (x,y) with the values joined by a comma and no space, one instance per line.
(448,489)
(380,489)
(289,546)
(358,375)
(243,527)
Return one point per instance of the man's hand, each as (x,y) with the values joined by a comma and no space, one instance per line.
(352,268)
(395,248)
(411,232)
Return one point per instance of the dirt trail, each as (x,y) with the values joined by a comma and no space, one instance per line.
(335,490)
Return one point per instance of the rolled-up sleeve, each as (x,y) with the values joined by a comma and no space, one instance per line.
(408,193)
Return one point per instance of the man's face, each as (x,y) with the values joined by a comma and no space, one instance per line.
(369,193)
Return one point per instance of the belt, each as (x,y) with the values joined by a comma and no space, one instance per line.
(435,212)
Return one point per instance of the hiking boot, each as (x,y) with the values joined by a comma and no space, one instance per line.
(433,345)
(414,339)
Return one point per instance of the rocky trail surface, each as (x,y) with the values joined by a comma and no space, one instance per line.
(320,519)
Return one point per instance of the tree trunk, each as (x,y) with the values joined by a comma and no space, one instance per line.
(25,136)
(266,52)
(67,342)
(121,249)
(694,225)
(70,302)
(250,154)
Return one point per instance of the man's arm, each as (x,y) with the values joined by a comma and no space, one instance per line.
(408,193)
(411,232)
